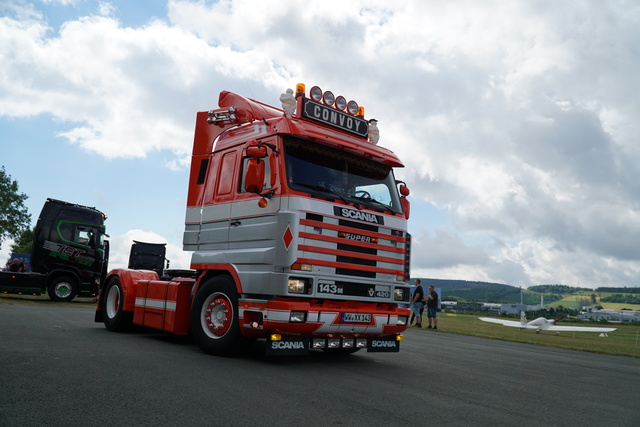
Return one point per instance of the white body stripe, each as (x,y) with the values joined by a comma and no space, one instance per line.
(156,303)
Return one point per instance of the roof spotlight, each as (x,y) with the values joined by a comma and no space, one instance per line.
(341,103)
(352,107)
(328,98)
(316,93)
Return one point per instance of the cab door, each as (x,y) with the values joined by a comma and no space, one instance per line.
(252,226)
(217,200)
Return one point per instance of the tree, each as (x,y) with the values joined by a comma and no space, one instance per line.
(24,242)
(14,217)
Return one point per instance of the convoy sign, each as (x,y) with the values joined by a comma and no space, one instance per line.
(336,118)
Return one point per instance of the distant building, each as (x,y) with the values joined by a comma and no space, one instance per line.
(514,309)
(492,307)
(622,316)
(470,306)
(449,305)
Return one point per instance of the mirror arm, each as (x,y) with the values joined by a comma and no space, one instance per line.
(267,194)
(272,146)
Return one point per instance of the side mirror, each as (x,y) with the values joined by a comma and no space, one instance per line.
(406,205)
(256,152)
(254,175)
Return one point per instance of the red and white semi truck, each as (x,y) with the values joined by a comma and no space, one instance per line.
(298,230)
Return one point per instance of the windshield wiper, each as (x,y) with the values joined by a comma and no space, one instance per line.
(371,201)
(324,190)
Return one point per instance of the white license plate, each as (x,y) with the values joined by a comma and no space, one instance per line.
(356,317)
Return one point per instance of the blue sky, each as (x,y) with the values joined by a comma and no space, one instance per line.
(517,121)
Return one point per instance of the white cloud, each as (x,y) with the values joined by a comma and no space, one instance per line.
(516,117)
(61,2)
(120,247)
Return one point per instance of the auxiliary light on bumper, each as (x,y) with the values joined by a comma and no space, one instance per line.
(320,343)
(298,317)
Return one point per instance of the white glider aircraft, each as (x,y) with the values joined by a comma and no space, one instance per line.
(542,324)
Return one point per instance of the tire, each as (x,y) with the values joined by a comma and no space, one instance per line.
(214,319)
(62,289)
(114,317)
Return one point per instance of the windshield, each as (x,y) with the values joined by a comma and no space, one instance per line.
(329,172)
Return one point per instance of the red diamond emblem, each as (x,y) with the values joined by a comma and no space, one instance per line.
(287,238)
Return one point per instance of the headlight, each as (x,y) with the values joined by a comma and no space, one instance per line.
(297,286)
(403,320)
(401,294)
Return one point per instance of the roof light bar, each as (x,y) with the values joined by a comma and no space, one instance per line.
(329,99)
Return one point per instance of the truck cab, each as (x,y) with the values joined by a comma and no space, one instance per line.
(69,255)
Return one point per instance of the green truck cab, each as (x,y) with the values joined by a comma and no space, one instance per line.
(70,254)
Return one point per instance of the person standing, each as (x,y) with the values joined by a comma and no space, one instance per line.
(432,307)
(417,304)
(14,267)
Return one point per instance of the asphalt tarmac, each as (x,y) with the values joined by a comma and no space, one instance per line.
(58,368)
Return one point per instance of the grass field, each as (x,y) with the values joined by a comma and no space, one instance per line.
(44,299)
(623,342)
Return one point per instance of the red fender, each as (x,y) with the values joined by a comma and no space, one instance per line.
(208,268)
(129,281)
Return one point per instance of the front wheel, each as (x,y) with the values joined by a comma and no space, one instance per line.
(214,318)
(114,317)
(62,289)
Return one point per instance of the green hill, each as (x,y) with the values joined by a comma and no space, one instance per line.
(463,290)
(554,295)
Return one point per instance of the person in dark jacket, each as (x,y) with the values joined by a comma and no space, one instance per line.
(432,307)
(417,304)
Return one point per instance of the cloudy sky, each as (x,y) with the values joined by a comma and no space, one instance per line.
(518,121)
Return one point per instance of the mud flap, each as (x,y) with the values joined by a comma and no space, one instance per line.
(287,346)
(383,345)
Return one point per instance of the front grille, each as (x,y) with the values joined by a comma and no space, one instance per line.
(352,248)
(356,249)
(355,273)
(360,225)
